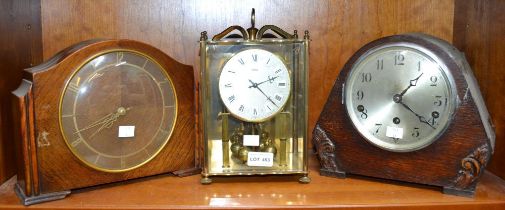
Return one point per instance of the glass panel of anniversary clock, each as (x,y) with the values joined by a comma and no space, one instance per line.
(255,89)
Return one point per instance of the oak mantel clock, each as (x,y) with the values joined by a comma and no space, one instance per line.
(253,92)
(407,107)
(99,112)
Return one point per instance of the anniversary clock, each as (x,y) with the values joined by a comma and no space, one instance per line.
(102,111)
(407,107)
(253,92)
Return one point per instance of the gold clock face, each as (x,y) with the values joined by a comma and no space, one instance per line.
(118,111)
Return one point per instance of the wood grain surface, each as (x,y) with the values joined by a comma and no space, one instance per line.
(20,47)
(269,192)
(439,163)
(58,169)
(337,28)
(479,31)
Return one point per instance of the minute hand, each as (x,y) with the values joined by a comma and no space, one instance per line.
(255,85)
(421,118)
(101,121)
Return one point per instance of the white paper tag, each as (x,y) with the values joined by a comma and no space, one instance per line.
(126,131)
(394,132)
(251,140)
(260,159)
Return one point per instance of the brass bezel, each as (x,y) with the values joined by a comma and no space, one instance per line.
(164,72)
(260,120)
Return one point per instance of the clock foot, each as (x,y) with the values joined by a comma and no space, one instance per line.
(206,180)
(325,149)
(467,192)
(305,179)
(29,200)
(187,172)
(332,173)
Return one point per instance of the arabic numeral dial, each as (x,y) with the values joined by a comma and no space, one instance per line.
(398,98)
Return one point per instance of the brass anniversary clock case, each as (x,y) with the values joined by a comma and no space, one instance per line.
(253,92)
(102,111)
(407,107)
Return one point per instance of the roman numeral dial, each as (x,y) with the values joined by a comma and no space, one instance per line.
(254,85)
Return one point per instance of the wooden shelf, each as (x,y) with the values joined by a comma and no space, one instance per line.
(272,192)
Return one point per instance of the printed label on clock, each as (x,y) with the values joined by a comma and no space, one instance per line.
(126,131)
(394,132)
(260,159)
(251,140)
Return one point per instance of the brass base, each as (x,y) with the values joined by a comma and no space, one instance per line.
(206,180)
(305,179)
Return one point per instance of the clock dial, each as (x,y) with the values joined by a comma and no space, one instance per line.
(118,111)
(254,85)
(399,98)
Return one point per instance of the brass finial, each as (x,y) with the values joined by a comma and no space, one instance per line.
(253,18)
(252,31)
(203,36)
(306,36)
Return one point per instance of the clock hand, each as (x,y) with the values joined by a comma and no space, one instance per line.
(255,85)
(270,79)
(413,82)
(421,118)
(270,99)
(397,98)
(96,123)
(107,121)
(106,124)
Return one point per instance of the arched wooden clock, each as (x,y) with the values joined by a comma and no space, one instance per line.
(408,108)
(101,112)
(253,91)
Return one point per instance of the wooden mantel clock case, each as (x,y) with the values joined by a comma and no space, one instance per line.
(102,111)
(407,107)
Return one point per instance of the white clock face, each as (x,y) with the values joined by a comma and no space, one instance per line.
(400,98)
(254,85)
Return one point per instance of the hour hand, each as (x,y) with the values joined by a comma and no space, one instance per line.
(110,121)
(106,121)
(100,121)
(270,79)
(413,82)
